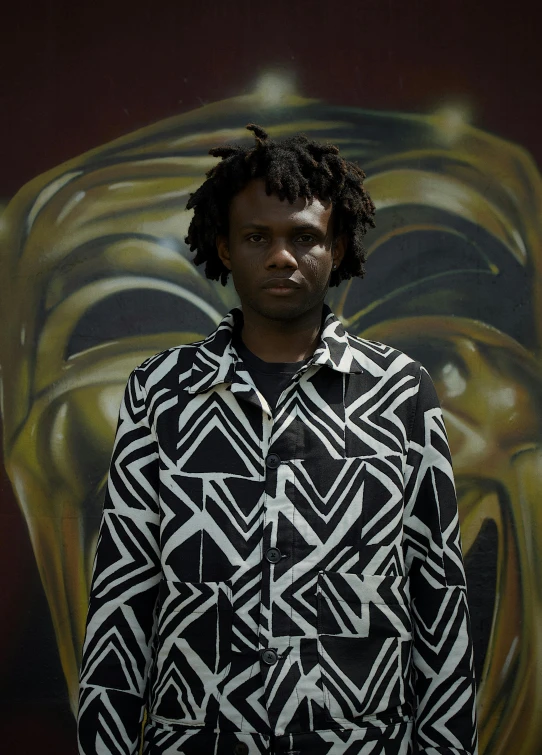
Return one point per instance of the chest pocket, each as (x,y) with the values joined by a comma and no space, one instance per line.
(193,651)
(364,643)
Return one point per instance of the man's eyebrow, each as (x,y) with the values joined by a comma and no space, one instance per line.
(296,228)
(308,227)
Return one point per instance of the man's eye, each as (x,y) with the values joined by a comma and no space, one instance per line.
(255,238)
(305,238)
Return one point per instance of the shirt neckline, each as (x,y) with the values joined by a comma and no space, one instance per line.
(270,368)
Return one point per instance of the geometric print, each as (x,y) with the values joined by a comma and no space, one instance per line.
(285,581)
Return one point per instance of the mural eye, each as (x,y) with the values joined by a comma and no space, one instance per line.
(453,380)
(137,312)
(433,262)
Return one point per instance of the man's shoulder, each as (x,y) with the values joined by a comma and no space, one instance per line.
(375,355)
(175,360)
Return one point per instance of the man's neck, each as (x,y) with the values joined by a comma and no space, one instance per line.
(282,340)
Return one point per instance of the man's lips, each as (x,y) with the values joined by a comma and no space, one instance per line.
(283,283)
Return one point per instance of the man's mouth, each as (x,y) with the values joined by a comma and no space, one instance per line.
(284,285)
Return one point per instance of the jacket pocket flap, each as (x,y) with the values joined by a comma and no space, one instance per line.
(350,604)
(365,588)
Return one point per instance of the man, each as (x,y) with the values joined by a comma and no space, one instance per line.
(279,567)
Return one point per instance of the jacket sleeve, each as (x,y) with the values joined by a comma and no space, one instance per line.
(117,648)
(442,648)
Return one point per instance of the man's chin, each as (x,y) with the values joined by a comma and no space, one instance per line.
(284,311)
(285,308)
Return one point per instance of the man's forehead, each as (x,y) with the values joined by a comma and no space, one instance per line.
(253,205)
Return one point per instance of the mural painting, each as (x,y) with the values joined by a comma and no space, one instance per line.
(96,277)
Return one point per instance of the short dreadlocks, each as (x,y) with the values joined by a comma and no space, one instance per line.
(292,168)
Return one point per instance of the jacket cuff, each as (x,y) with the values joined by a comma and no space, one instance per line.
(109,721)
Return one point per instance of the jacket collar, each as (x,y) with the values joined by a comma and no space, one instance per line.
(216,359)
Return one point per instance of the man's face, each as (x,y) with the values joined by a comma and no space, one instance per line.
(280,254)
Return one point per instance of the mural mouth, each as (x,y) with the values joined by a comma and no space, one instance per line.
(481,564)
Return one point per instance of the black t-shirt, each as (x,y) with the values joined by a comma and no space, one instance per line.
(270,378)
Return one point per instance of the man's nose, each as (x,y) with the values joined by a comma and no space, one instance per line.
(281,254)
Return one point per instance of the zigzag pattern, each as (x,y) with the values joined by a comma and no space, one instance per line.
(289,580)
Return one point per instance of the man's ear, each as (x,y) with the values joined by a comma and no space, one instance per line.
(338,250)
(223,251)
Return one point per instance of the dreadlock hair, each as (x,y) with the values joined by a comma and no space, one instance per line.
(292,168)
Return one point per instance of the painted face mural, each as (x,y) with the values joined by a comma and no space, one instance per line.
(96,277)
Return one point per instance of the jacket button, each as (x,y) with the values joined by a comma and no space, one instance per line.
(272,461)
(273,555)
(241,748)
(269,656)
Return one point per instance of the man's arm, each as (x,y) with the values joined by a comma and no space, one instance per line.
(442,650)
(116,653)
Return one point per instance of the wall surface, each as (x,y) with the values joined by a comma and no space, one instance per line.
(109,112)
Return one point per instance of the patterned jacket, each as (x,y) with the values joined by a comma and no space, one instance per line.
(289,579)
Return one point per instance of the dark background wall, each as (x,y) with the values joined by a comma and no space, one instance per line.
(77,75)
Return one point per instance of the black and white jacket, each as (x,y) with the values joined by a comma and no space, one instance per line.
(289,579)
